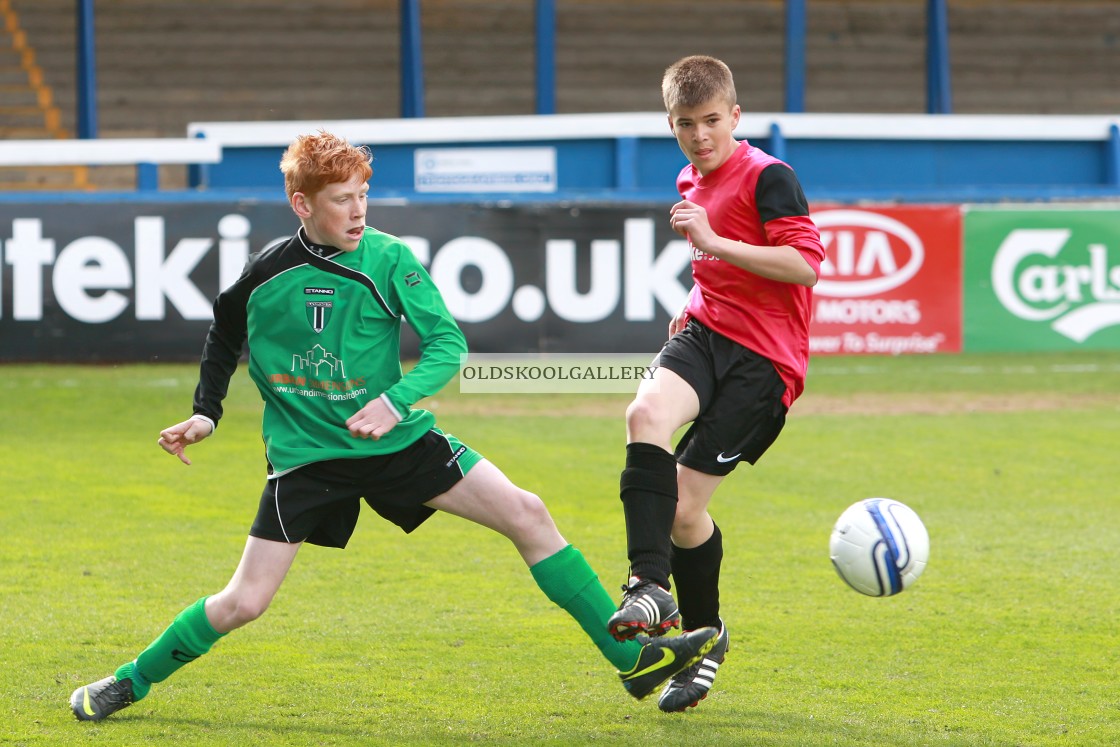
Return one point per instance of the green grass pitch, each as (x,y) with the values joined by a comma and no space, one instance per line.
(1009,638)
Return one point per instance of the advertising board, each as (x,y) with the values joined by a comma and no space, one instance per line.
(85,282)
(891,282)
(135,281)
(1041,278)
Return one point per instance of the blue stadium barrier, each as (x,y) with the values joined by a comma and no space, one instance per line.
(632,157)
(627,157)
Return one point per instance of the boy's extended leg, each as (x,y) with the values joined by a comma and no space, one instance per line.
(188,637)
(569,581)
(696,571)
(648,489)
(696,561)
(487,497)
(194,630)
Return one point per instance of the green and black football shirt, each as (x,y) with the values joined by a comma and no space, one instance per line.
(323,331)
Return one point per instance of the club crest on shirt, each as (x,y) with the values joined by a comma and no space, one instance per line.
(318,311)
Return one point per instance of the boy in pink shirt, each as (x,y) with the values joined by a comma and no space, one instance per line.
(734,363)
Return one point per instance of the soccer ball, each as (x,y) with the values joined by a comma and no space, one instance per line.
(879,547)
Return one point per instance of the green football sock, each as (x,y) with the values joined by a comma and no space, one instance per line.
(187,638)
(569,581)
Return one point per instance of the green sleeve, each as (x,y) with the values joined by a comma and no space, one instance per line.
(441,341)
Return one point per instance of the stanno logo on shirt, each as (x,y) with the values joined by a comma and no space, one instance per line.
(318,291)
(412,279)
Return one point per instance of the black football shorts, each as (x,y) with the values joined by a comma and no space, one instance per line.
(740,392)
(319,502)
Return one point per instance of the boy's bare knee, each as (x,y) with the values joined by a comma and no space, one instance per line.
(252,609)
(527,518)
(644,420)
(238,608)
(531,510)
(685,525)
(690,526)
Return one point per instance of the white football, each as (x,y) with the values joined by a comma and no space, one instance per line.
(879,547)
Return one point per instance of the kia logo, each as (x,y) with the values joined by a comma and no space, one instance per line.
(865,254)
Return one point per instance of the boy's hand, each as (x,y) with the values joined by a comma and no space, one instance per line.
(691,221)
(177,438)
(372,421)
(678,322)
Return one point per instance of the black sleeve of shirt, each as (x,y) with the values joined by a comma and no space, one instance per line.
(221,352)
(229,330)
(778,194)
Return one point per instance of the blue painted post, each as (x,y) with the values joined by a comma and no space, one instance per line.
(795,55)
(147,177)
(87,72)
(939,98)
(412,61)
(198,174)
(1112,161)
(626,163)
(777,142)
(546,56)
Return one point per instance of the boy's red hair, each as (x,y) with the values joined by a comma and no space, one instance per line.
(312,162)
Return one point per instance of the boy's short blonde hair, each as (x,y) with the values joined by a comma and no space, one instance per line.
(692,81)
(312,162)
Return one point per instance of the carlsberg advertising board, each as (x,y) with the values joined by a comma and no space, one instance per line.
(1041,278)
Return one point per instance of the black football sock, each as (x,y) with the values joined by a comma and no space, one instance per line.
(696,573)
(648,489)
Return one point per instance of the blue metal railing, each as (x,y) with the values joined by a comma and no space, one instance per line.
(1112,157)
(546,56)
(939,95)
(87,72)
(412,61)
(938,89)
(795,55)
